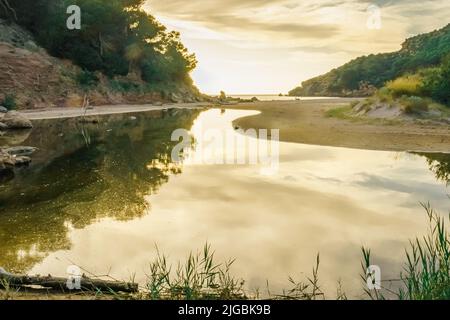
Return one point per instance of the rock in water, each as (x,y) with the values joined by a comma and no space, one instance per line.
(15,120)
(22,161)
(6,160)
(20,151)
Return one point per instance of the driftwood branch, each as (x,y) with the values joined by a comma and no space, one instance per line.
(61,284)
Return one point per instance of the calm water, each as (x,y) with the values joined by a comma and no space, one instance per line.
(103,195)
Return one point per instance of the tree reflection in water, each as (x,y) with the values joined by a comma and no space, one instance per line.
(439,164)
(72,184)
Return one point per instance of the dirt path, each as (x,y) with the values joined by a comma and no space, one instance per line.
(307,122)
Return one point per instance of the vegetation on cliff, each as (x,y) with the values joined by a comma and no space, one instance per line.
(425,55)
(119,47)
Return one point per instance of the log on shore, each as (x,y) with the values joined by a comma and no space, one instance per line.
(61,284)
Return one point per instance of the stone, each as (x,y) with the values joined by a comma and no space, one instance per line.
(22,161)
(7,160)
(3,126)
(20,151)
(15,120)
(3,109)
(176,98)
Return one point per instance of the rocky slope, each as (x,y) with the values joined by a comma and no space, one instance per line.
(34,79)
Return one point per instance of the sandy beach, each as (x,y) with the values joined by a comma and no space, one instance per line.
(307,122)
(61,113)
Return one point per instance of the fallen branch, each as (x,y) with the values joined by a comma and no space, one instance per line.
(60,284)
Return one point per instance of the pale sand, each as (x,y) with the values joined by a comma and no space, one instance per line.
(60,113)
(306,122)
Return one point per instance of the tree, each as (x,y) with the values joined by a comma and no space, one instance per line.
(117,38)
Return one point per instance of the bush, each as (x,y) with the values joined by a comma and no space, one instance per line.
(9,102)
(87,79)
(436,83)
(414,105)
(407,85)
(385,95)
(124,86)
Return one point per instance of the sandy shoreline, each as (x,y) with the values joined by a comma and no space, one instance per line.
(61,113)
(306,122)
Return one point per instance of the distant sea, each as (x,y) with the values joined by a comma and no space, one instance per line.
(271,97)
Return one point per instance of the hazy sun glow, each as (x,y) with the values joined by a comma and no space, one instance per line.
(255,46)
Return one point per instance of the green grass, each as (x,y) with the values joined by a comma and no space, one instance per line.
(425,275)
(340,112)
(199,278)
(414,105)
(426,272)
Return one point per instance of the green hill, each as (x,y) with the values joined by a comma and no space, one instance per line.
(363,75)
(119,53)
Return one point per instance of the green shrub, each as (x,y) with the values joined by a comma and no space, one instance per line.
(385,95)
(408,85)
(414,105)
(436,83)
(124,86)
(87,79)
(9,102)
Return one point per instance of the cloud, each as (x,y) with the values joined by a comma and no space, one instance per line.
(295,39)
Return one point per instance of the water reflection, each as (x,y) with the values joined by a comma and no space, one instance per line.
(439,164)
(72,183)
(88,203)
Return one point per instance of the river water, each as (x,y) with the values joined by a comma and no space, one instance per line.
(103,196)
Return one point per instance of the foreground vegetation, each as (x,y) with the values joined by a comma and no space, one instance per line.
(425,276)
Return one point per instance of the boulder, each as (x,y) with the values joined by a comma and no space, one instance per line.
(15,120)
(3,109)
(3,126)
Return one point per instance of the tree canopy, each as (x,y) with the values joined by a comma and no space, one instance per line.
(422,51)
(117,37)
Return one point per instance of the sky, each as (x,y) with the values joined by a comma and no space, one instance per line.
(271,46)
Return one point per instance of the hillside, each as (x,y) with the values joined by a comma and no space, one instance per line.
(120,55)
(363,75)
